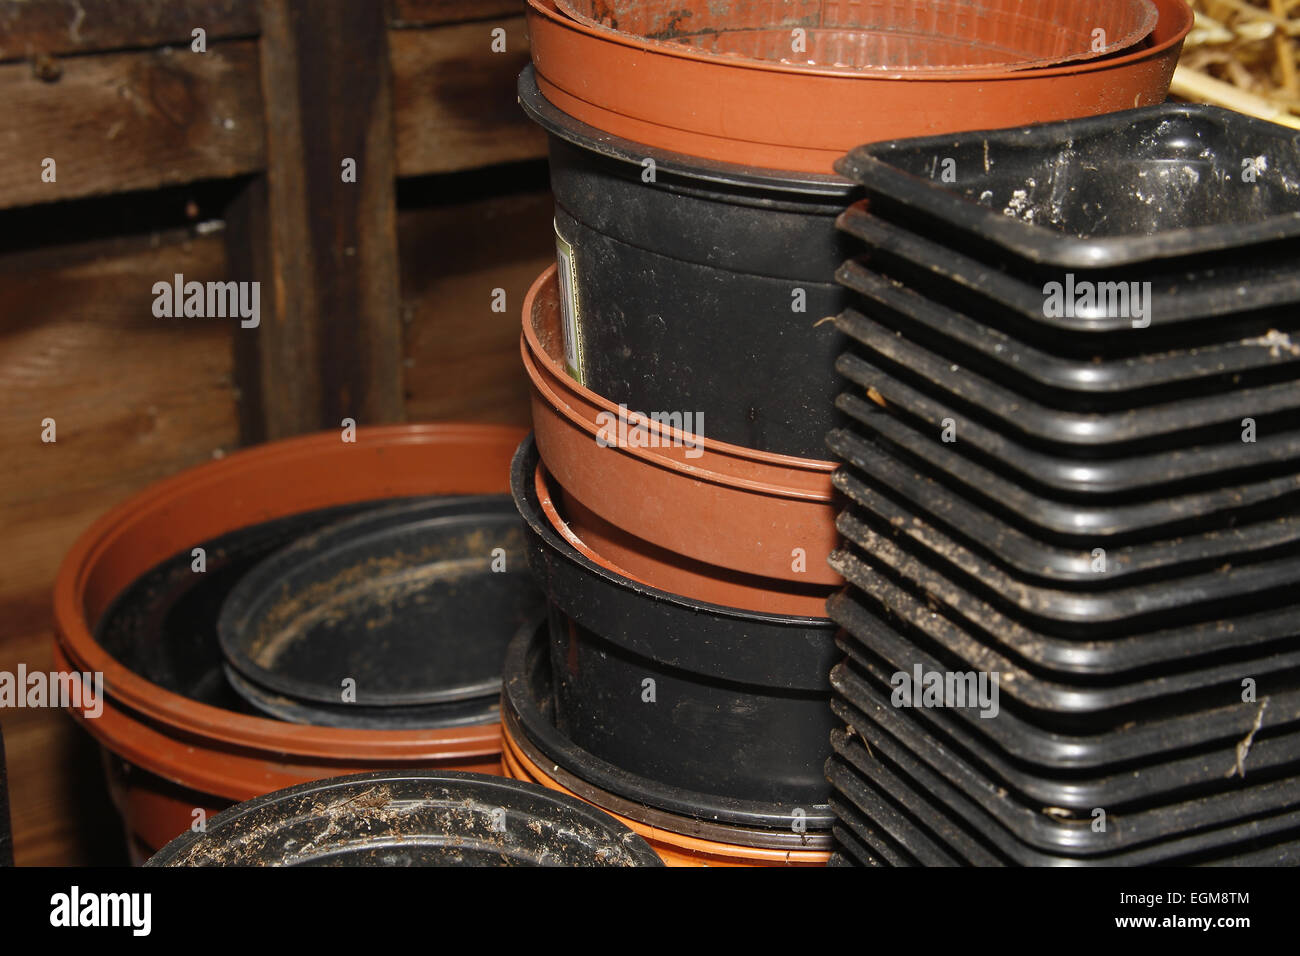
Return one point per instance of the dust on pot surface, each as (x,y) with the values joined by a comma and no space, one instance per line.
(173,726)
(700,697)
(697,288)
(786,116)
(409,606)
(410,818)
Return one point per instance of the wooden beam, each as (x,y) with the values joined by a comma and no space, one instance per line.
(324,249)
(127,121)
(32,27)
(455,98)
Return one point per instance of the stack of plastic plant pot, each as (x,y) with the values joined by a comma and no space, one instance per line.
(682,367)
(1072,475)
(359,632)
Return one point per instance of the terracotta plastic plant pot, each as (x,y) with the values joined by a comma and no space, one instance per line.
(222,754)
(781,116)
(758,513)
(920,35)
(617,551)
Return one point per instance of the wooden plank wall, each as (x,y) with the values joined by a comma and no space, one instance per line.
(115,96)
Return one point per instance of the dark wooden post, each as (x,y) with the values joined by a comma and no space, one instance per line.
(324,249)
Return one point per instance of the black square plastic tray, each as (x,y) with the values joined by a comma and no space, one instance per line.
(1102,191)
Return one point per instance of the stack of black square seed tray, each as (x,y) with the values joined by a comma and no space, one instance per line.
(1072,473)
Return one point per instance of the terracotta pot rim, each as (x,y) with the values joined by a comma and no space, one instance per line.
(210,723)
(570,536)
(513,755)
(548,10)
(700,579)
(545,375)
(1129,39)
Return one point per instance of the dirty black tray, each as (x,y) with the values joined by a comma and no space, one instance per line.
(415,603)
(1101,191)
(880,816)
(1230,461)
(864,807)
(872,474)
(863,686)
(1175,421)
(854,851)
(1055,833)
(1098,441)
(1081,653)
(931,801)
(1068,523)
(1052,694)
(1194,298)
(1092,379)
(1107,613)
(1200,723)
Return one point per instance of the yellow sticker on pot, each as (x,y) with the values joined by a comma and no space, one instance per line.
(569,306)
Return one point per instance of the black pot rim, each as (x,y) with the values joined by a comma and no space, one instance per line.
(472,712)
(244,600)
(482,785)
(661,627)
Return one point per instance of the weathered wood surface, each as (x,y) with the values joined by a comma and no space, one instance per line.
(456,106)
(129,121)
(32,27)
(134,398)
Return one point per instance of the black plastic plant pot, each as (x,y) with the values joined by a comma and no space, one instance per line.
(694,286)
(528,714)
(414,604)
(701,697)
(411,818)
(1097,192)
(684,725)
(164,625)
